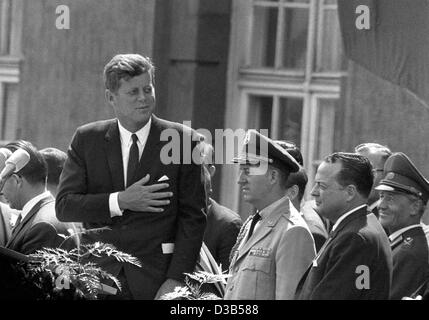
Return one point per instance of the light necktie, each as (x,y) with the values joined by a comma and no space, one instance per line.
(133,161)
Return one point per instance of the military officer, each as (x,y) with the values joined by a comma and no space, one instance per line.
(275,246)
(404,192)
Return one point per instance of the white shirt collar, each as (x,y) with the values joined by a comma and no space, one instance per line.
(345,215)
(397,233)
(142,133)
(374,205)
(32,202)
(126,142)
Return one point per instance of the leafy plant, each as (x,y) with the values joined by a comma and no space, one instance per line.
(193,289)
(55,269)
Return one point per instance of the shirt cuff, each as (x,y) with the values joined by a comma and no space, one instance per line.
(115,211)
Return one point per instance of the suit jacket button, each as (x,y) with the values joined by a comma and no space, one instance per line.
(123,227)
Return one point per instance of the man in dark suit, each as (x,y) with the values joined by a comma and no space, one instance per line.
(223,224)
(130,175)
(37,226)
(355,262)
(404,192)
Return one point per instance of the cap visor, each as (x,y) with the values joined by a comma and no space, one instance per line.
(383,187)
(239,160)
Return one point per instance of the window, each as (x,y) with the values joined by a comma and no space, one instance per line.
(284,75)
(10,38)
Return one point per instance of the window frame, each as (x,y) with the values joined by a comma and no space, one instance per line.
(244,80)
(10,42)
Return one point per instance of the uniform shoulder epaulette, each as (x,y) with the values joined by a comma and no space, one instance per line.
(397,241)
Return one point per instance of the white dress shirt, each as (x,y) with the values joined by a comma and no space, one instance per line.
(32,202)
(345,215)
(126,142)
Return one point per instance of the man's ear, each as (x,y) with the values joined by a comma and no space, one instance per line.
(292,192)
(19,179)
(273,175)
(416,207)
(109,96)
(351,192)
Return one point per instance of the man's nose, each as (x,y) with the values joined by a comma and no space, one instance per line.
(241,179)
(141,96)
(314,191)
(382,203)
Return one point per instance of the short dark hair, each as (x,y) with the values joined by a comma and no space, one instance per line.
(355,169)
(36,170)
(299,179)
(126,66)
(55,160)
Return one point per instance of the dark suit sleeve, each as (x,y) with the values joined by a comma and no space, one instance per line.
(191,221)
(41,235)
(226,241)
(410,270)
(73,203)
(342,274)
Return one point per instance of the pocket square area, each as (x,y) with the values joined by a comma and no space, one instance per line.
(163,178)
(167,248)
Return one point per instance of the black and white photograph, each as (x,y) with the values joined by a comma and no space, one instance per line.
(237,151)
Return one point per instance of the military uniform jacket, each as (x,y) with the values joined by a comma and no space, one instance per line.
(357,246)
(410,262)
(269,265)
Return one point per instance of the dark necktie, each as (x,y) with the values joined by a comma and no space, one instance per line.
(133,161)
(255,220)
(18,221)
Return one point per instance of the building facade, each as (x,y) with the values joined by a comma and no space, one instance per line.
(275,65)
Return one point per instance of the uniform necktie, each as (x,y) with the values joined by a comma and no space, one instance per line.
(133,161)
(255,220)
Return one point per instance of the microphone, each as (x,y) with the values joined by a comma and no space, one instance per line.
(4,154)
(14,163)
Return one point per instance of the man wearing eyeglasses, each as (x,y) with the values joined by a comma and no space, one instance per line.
(404,193)
(377,155)
(37,226)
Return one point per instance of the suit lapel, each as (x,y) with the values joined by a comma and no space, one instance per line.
(28,218)
(314,263)
(114,156)
(151,152)
(359,213)
(353,216)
